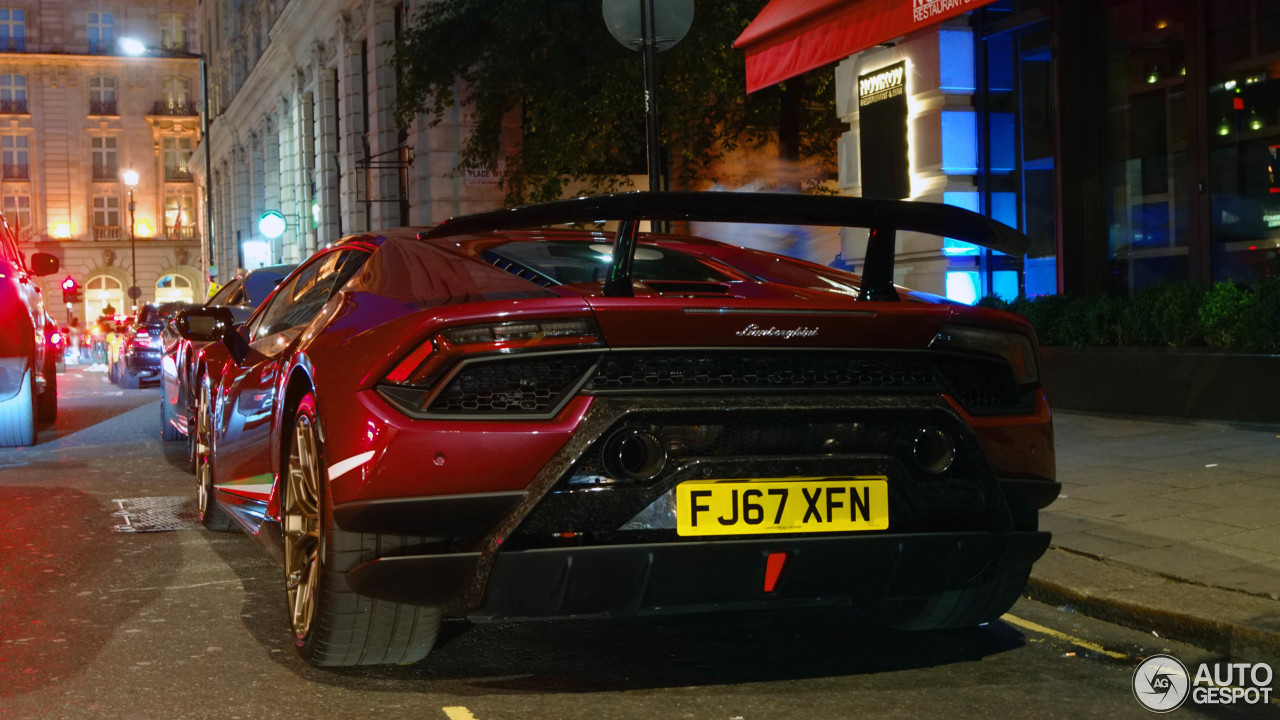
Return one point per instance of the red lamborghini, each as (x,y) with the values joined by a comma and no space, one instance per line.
(506,417)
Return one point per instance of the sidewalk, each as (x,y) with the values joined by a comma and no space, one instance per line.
(1168,526)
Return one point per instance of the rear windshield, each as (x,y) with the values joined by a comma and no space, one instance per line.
(567,262)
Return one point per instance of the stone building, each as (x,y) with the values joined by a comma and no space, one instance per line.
(302,122)
(76,113)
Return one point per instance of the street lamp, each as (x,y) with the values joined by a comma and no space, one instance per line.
(130,178)
(134,47)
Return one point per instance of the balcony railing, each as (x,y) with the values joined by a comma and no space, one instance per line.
(180,232)
(107,232)
(101,47)
(13,107)
(106,172)
(176,175)
(103,107)
(169,107)
(13,44)
(16,172)
(179,45)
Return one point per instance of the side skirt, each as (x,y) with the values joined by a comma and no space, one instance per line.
(246,502)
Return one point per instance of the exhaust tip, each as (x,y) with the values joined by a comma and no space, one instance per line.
(634,455)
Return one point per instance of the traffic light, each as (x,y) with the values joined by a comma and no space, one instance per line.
(70,290)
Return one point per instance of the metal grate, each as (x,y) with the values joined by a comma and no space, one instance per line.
(156,514)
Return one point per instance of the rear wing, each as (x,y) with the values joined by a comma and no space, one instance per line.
(883,218)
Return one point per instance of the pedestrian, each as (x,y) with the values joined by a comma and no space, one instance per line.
(73,338)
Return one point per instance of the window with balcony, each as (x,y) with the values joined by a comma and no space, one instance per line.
(102,33)
(179,216)
(17,211)
(13,94)
(177,151)
(173,31)
(13,157)
(105,159)
(176,98)
(13,30)
(106,218)
(102,95)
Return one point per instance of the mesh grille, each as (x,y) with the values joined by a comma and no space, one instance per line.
(762,371)
(516,386)
(979,383)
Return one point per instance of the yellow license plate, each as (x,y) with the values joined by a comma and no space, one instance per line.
(784,505)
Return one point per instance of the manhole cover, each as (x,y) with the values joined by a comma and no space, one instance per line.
(156,514)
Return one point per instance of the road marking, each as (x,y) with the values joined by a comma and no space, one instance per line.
(458,712)
(1037,628)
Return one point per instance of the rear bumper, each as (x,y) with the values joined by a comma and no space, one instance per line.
(146,364)
(649,579)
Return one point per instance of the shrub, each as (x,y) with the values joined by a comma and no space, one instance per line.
(1177,314)
(1220,313)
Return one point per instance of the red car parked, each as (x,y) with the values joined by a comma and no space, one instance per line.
(498,419)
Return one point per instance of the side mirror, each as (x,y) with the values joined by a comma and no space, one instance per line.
(204,324)
(43,264)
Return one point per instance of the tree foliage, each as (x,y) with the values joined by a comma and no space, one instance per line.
(575,96)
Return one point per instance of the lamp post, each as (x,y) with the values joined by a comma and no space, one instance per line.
(134,47)
(130,178)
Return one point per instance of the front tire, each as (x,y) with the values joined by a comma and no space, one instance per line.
(332,625)
(48,407)
(212,516)
(167,429)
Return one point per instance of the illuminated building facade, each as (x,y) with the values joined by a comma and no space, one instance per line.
(75,115)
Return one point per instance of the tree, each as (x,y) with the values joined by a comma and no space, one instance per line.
(577,94)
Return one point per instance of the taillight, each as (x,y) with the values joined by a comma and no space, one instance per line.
(450,345)
(525,368)
(1014,348)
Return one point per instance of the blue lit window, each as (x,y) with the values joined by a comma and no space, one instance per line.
(962,286)
(959,142)
(956,46)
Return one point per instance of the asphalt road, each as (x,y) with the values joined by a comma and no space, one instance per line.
(100,622)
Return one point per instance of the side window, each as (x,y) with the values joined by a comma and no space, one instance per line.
(307,292)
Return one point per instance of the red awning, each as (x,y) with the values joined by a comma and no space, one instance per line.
(789,37)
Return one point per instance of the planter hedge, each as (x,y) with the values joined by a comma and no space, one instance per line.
(1227,317)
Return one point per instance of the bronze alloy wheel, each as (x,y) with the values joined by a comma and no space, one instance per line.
(211,516)
(301,520)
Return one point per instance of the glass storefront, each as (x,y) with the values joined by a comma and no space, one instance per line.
(1243,113)
(1145,166)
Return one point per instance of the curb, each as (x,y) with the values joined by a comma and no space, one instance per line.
(1239,626)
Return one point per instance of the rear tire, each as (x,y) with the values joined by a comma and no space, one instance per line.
(212,516)
(332,625)
(963,608)
(18,415)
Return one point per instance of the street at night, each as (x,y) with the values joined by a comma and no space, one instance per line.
(100,622)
